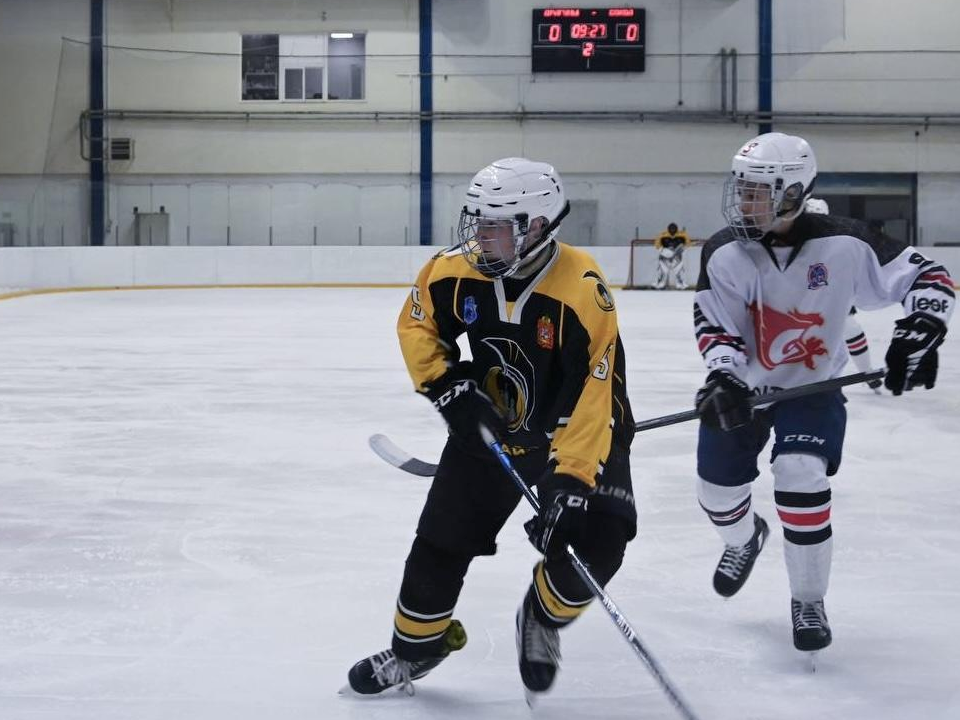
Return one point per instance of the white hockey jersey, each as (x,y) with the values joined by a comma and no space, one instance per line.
(774,316)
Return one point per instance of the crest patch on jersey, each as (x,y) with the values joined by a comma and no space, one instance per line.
(545,332)
(602,294)
(470,310)
(816,276)
(511,384)
(604,298)
(785,337)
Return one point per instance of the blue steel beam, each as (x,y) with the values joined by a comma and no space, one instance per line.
(426,126)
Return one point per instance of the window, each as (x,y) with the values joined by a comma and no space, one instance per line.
(304,68)
(293,84)
(347,57)
(298,55)
(259,66)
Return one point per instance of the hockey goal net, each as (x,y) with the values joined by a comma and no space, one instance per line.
(643,264)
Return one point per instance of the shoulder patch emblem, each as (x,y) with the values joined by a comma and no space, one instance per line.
(601,293)
(604,298)
(470,313)
(816,276)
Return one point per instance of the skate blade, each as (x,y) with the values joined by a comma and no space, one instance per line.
(810,659)
(531,698)
(347,691)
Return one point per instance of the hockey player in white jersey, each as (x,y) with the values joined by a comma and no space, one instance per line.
(856,339)
(773,294)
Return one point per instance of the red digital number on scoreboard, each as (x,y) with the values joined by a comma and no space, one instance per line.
(628,32)
(579,31)
(594,40)
(550,33)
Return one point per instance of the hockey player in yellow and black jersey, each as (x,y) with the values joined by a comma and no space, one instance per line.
(547,374)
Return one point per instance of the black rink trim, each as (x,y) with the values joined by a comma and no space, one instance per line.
(808,538)
(801,500)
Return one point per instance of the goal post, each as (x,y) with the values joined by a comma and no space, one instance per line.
(642,272)
(643,264)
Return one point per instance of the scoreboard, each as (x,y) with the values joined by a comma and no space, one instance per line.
(588,40)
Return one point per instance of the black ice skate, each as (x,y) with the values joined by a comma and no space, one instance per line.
(538,651)
(384,670)
(811,631)
(737,562)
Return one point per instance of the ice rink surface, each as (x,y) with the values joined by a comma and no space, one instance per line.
(192,527)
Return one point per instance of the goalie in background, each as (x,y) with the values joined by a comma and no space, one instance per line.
(670,246)
(856,339)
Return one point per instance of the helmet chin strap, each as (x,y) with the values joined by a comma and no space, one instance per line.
(546,235)
(535,260)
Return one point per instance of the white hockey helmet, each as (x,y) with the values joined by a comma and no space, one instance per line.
(770,178)
(817,206)
(499,230)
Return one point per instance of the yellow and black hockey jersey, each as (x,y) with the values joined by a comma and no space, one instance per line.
(546,349)
(672,242)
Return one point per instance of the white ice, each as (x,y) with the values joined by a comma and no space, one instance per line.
(192,527)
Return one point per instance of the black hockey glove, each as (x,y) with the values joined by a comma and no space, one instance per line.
(912,355)
(563,509)
(724,401)
(464,406)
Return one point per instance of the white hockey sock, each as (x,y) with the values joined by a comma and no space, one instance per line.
(729,510)
(802,494)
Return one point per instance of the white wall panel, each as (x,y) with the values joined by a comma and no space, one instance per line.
(369,264)
(178,265)
(43,267)
(384,210)
(937,214)
(246,265)
(171,266)
(112,266)
(175,201)
(209,214)
(292,213)
(249,214)
(74,195)
(338,214)
(128,198)
(448,197)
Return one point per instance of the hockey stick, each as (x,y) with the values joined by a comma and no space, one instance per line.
(386,449)
(776,396)
(629,634)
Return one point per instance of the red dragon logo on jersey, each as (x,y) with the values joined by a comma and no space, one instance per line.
(782,338)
